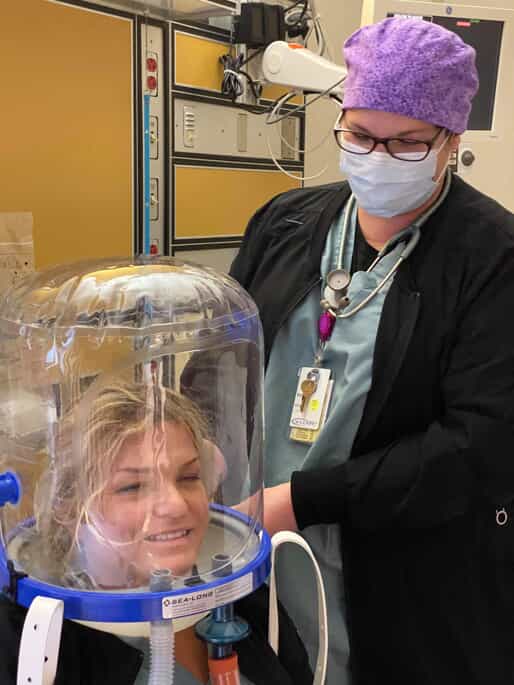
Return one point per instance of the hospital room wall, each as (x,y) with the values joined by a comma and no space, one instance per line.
(340,20)
(68,140)
(66,128)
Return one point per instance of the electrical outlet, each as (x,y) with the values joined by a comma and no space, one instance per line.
(152,73)
(189,126)
(154,138)
(154,199)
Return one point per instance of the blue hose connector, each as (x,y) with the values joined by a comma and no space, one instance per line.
(222,628)
(10,488)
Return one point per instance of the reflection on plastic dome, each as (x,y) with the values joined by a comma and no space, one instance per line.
(128,490)
(145,382)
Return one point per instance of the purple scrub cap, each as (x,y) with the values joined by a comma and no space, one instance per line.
(411,67)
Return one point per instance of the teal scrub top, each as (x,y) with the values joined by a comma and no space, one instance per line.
(349,355)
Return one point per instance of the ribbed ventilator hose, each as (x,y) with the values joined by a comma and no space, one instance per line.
(162,653)
(162,637)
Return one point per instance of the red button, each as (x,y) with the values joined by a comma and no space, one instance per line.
(151,82)
(154,249)
(151,64)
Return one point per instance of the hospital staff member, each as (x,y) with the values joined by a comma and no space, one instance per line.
(387,304)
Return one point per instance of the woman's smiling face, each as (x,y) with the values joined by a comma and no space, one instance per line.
(154,508)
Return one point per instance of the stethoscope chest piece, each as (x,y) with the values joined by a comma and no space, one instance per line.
(334,294)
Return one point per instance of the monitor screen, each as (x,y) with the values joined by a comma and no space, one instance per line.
(485,36)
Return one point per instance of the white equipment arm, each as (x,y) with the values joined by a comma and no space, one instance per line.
(291,65)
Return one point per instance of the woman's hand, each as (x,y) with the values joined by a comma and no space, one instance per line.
(278,509)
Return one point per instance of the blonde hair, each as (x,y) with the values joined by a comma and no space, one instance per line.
(83,457)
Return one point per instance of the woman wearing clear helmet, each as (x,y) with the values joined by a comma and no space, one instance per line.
(385,304)
(127,491)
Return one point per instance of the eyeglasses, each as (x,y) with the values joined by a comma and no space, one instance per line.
(406,149)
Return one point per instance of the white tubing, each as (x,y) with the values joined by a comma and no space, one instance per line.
(162,653)
(321,664)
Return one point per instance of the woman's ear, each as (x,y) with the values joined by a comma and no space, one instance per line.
(217,466)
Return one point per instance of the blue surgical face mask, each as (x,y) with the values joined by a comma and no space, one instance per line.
(385,186)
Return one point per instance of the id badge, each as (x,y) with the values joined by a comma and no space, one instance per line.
(311,402)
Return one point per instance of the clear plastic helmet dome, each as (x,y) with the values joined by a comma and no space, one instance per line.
(131,425)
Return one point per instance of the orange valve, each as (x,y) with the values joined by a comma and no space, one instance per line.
(224,671)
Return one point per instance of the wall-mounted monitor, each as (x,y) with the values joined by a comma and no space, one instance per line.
(485,36)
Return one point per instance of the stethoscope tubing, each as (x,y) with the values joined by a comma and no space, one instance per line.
(375,291)
(411,235)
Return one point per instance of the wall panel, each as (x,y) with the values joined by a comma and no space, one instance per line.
(214,202)
(66,129)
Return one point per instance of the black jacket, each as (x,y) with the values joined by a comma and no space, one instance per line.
(429,572)
(91,657)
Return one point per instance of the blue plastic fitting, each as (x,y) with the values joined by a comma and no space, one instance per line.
(10,488)
(222,628)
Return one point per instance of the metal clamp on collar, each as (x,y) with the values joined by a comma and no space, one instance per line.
(40,641)
(11,590)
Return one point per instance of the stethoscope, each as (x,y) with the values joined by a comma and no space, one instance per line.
(335,298)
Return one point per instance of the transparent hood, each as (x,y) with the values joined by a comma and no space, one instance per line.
(131,411)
